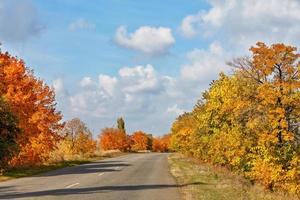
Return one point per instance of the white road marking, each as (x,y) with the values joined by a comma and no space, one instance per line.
(100,174)
(117,168)
(72,185)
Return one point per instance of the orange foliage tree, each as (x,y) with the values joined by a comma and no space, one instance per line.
(113,139)
(161,144)
(139,141)
(33,103)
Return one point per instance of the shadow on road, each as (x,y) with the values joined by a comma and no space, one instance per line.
(94,167)
(91,190)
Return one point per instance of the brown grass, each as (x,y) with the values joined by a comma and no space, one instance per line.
(202,181)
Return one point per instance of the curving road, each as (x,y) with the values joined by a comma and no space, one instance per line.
(130,177)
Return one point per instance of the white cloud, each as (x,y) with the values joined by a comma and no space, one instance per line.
(140,94)
(19,21)
(237,25)
(86,81)
(245,22)
(204,65)
(81,24)
(139,79)
(58,85)
(188,25)
(108,83)
(78,101)
(146,39)
(175,109)
(216,49)
(143,96)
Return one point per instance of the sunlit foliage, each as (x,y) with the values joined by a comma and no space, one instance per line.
(113,139)
(76,140)
(161,144)
(139,141)
(33,103)
(249,121)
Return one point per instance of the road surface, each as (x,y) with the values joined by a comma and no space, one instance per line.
(142,176)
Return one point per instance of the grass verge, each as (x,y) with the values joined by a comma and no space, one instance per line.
(30,171)
(205,182)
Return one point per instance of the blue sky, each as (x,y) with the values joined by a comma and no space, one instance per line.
(92,50)
(147,61)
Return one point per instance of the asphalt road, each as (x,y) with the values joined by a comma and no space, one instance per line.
(142,176)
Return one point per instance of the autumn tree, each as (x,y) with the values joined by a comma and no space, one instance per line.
(276,71)
(182,131)
(72,130)
(139,141)
(249,121)
(150,141)
(161,144)
(8,134)
(276,68)
(113,139)
(77,139)
(85,144)
(121,124)
(33,103)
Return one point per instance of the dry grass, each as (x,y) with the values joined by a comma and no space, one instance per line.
(201,181)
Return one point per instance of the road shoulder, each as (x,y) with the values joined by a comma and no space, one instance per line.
(202,181)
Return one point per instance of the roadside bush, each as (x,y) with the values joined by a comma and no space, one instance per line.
(114,139)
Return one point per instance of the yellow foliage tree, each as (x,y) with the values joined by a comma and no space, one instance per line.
(249,121)
(77,141)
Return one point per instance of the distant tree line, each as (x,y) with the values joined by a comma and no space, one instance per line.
(118,139)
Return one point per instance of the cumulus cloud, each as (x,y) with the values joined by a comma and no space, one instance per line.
(189,25)
(175,109)
(81,24)
(108,83)
(245,22)
(142,95)
(204,65)
(140,79)
(146,39)
(86,81)
(145,97)
(19,21)
(139,93)
(58,85)
(88,102)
